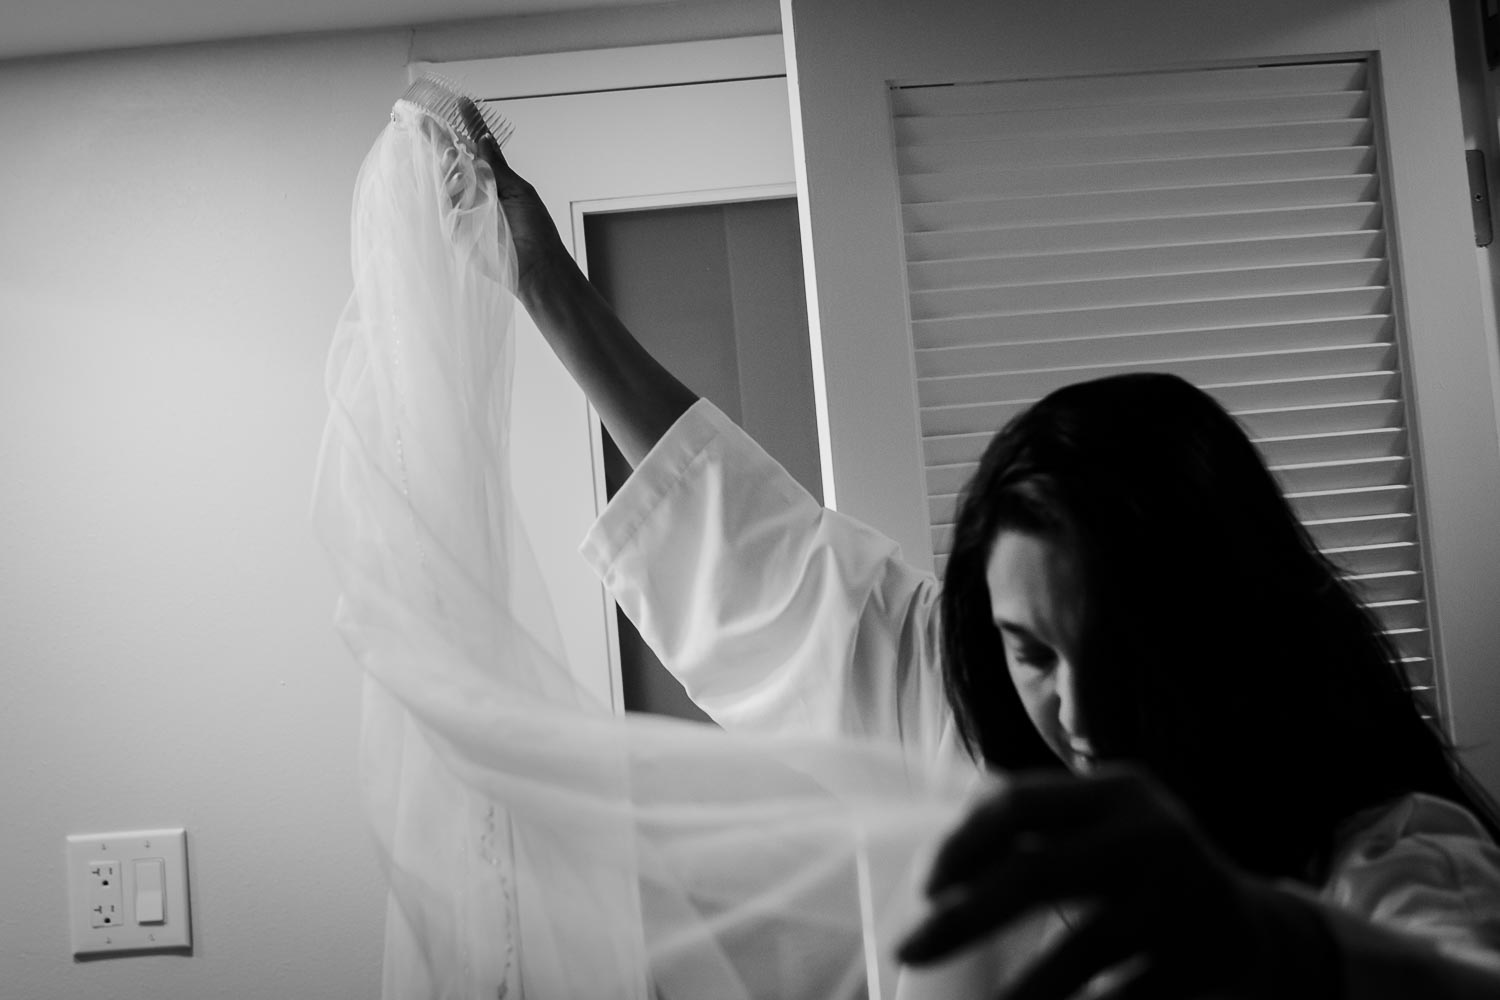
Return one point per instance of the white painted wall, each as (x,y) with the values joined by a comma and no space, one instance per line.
(172,260)
(173,256)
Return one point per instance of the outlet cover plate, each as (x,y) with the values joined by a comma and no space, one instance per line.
(86,850)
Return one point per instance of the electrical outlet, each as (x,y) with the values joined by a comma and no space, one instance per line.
(128,891)
(106,894)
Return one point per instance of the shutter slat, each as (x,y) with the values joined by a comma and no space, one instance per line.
(1000,354)
(1063,150)
(1322,417)
(978,418)
(949,449)
(940,508)
(1110,206)
(949,478)
(1421,674)
(1128,120)
(1360,352)
(959,390)
(1402,613)
(1373,530)
(1141,88)
(1150,317)
(1395,585)
(1355,387)
(1412,644)
(1355,502)
(1187,171)
(1110,292)
(1381,558)
(1383,442)
(1146,261)
(1356,473)
(1207,228)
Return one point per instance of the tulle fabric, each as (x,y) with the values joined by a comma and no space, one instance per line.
(536,844)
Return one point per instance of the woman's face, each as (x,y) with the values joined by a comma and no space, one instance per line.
(1036,600)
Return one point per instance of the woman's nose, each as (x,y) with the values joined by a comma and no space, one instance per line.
(1068,716)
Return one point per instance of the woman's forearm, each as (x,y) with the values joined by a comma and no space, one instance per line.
(636,398)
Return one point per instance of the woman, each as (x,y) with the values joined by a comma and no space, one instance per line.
(1106,604)
(1125,552)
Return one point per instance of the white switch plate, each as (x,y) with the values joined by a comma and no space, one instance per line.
(85,853)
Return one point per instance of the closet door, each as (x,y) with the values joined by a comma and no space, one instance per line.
(1268,198)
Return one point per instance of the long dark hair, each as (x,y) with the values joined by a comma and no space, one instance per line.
(1220,649)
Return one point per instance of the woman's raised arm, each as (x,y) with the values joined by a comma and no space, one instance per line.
(636,398)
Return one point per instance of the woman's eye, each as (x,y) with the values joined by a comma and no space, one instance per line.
(1033,656)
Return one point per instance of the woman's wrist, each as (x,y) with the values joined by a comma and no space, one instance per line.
(544,275)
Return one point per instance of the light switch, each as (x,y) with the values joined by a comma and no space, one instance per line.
(149,878)
(129,891)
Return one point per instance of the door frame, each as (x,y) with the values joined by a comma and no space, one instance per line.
(635,203)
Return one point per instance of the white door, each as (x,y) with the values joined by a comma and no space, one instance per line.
(848,58)
(606,130)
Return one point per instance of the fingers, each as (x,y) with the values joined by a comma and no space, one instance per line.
(1027,808)
(488,145)
(1163,895)
(1098,864)
(510,185)
(475,124)
(1156,981)
(1103,942)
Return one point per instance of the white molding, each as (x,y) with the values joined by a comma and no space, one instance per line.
(674,199)
(637,66)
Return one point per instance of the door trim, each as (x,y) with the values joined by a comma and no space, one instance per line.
(593,70)
(635,203)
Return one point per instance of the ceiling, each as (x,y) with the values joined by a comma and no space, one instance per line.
(39,27)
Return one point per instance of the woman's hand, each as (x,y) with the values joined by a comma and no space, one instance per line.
(1161,906)
(532,230)
(636,398)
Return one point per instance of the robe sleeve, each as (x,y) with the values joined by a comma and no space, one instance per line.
(776,614)
(1416,895)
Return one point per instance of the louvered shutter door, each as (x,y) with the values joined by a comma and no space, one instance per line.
(1225,225)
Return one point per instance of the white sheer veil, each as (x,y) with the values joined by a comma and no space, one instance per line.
(536,844)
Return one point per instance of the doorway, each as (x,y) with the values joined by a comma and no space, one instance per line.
(715,293)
